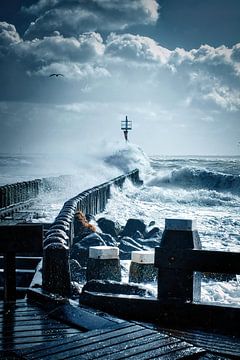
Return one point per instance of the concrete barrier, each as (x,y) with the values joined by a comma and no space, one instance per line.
(103,263)
(142,268)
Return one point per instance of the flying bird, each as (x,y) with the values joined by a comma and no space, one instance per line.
(56,75)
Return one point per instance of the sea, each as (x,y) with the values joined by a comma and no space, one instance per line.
(202,188)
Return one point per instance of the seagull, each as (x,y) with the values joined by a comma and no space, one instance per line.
(56,75)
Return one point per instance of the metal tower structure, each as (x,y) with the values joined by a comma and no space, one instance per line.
(126,125)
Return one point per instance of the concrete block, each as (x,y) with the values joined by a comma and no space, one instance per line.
(180,224)
(142,257)
(103,252)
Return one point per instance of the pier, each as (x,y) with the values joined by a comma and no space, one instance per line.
(48,324)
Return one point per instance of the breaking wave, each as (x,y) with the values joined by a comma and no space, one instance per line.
(197,178)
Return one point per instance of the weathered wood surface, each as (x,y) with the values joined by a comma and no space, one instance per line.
(120,342)
(30,332)
(23,325)
(198,260)
(216,343)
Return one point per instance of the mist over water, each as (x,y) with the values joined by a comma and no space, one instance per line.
(202,188)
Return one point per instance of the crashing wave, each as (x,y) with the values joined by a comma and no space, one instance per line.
(188,177)
(129,157)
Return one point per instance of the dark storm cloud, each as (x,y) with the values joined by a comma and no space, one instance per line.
(74,17)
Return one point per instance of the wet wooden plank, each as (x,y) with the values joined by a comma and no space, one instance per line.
(132,341)
(121,345)
(218,343)
(170,350)
(23,325)
(72,342)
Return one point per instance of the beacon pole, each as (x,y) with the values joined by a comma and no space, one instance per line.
(126,125)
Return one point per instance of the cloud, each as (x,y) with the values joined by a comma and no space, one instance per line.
(74,17)
(136,48)
(129,66)
(74,56)
(8,36)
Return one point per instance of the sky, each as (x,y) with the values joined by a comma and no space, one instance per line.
(171,66)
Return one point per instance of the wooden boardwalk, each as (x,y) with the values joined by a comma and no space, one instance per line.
(23,325)
(29,332)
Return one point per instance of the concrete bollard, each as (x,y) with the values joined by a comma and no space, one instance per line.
(56,269)
(142,268)
(103,263)
(178,284)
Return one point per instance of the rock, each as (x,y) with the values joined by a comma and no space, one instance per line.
(149,243)
(154,232)
(114,287)
(78,273)
(90,217)
(109,240)
(132,226)
(152,223)
(80,251)
(137,235)
(109,227)
(126,246)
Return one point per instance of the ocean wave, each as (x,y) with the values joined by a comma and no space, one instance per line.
(129,157)
(179,196)
(189,177)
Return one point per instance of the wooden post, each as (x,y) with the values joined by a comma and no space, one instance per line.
(178,284)
(56,270)
(9,276)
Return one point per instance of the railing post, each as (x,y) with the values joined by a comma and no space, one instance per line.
(177,284)
(56,269)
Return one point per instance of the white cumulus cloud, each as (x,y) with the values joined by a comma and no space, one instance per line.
(73,17)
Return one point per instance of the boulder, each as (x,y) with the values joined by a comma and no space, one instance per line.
(80,249)
(109,240)
(154,232)
(149,243)
(132,226)
(109,226)
(90,217)
(126,246)
(137,235)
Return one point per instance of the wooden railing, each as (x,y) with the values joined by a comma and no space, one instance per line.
(15,241)
(180,262)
